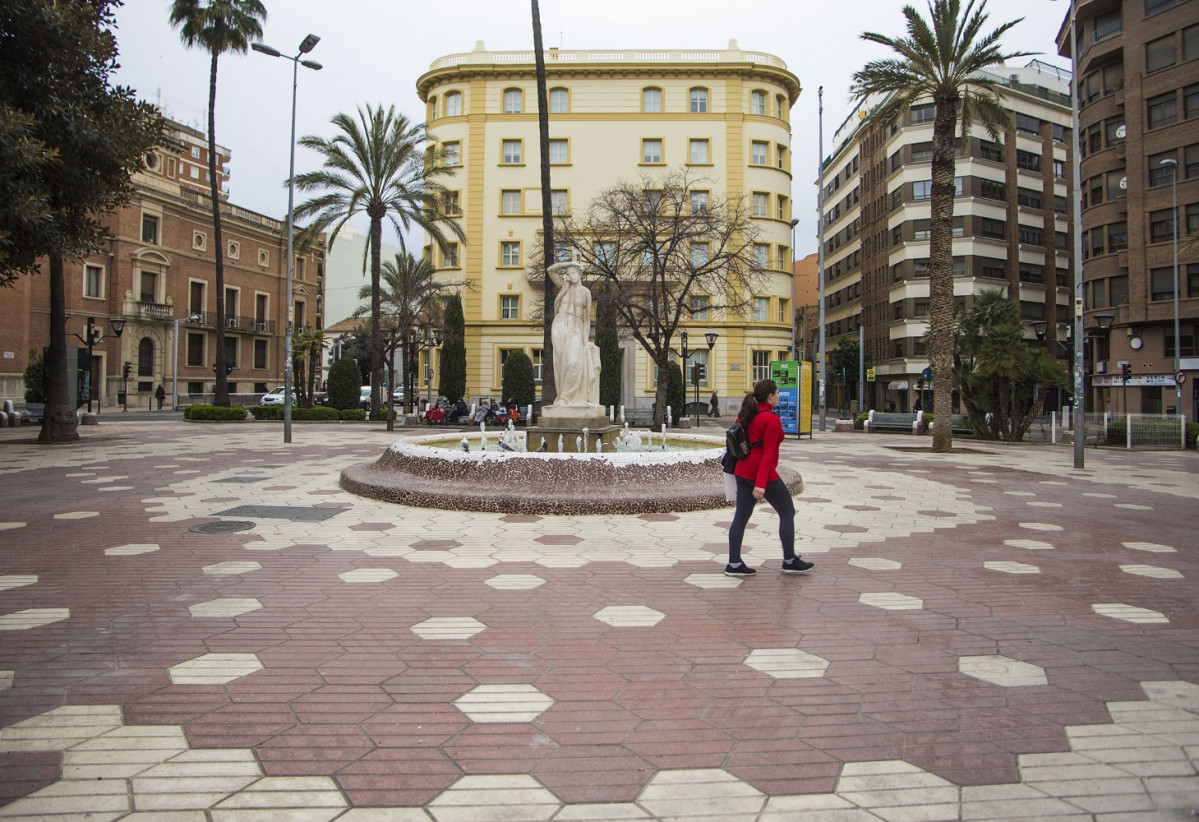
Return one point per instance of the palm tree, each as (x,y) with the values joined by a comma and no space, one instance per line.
(941,60)
(218,27)
(376,166)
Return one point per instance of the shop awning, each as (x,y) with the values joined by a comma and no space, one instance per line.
(897,385)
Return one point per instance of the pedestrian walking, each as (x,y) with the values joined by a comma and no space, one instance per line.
(757,478)
(714,406)
(160,395)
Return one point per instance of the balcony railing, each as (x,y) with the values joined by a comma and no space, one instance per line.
(1109,30)
(154,311)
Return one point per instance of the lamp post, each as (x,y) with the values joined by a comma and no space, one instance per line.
(425,339)
(1173,164)
(683,410)
(306,45)
(1103,324)
(191,318)
(711,338)
(93,338)
(820,241)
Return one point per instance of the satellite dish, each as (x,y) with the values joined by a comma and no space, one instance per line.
(1121,131)
(1124,184)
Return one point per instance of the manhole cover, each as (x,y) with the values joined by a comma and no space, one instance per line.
(222,527)
(292,512)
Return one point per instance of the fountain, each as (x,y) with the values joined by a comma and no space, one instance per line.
(606,472)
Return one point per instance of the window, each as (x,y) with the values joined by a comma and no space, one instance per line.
(651,100)
(1161,283)
(1187,332)
(1190,43)
(761,255)
(1030,236)
(922,189)
(559,101)
(699,256)
(558,203)
(699,100)
(260,349)
(453,104)
(781,207)
(922,152)
(538,361)
(149,288)
(233,250)
(780,106)
(561,252)
(1161,226)
(510,307)
(992,190)
(513,101)
(781,153)
(758,152)
(453,153)
(784,310)
(298,268)
(995,229)
(1163,110)
(510,254)
(1114,130)
(195,153)
(1192,219)
(1117,236)
(451,204)
(757,102)
(925,113)
(260,305)
(1160,53)
(194,172)
(1192,161)
(1029,161)
(651,151)
(449,257)
(699,307)
(1190,101)
(1161,175)
(511,152)
(761,365)
(93,281)
(652,200)
(699,202)
(511,202)
(699,152)
(1154,6)
(1192,276)
(1118,286)
(199,241)
(559,152)
(195,298)
(604,252)
(149,229)
(761,204)
(195,349)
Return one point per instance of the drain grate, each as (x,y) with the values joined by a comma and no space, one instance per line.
(281,512)
(222,527)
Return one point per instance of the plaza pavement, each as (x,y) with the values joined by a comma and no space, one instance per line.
(988,635)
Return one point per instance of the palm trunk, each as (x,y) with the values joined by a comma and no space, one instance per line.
(376,314)
(940,273)
(221,395)
(58,420)
(549,390)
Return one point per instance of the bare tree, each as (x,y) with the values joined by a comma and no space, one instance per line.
(650,246)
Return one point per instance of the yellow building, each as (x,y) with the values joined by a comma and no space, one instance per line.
(614,116)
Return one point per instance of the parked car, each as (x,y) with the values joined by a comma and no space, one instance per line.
(364,398)
(275,397)
(397,396)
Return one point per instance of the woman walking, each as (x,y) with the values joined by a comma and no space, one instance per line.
(758,478)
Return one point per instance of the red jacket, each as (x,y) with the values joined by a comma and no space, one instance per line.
(761,466)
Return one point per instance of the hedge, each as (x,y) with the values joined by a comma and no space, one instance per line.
(317,413)
(859,422)
(215,413)
(357,414)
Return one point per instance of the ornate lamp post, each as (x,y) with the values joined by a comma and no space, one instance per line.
(306,45)
(697,369)
(92,338)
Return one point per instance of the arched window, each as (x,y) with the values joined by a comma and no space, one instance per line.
(559,101)
(699,100)
(651,100)
(145,357)
(513,101)
(453,104)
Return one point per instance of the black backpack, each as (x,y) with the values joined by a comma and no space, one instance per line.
(736,442)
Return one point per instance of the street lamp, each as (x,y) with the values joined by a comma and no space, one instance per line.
(696,368)
(1173,164)
(683,410)
(425,339)
(306,45)
(92,338)
(191,318)
(1104,328)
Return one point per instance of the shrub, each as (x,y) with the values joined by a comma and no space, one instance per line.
(452,366)
(518,379)
(344,382)
(214,413)
(267,412)
(859,422)
(316,413)
(356,414)
(35,378)
(1192,434)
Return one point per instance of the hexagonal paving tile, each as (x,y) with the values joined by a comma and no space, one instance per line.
(558,539)
(629,616)
(712,581)
(448,628)
(131,550)
(1029,544)
(786,663)
(225,607)
(892,601)
(495,796)
(875,563)
(8,526)
(1128,613)
(368,575)
(214,669)
(16,581)
(33,618)
(696,794)
(515,582)
(1040,526)
(1012,567)
(229,568)
(1151,571)
(77,515)
(503,703)
(6,678)
(1151,547)
(1001,670)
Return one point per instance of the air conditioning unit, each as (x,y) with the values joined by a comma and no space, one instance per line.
(232,322)
(262,326)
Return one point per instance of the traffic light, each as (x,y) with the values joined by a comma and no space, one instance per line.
(698,373)
(1125,370)
(126,370)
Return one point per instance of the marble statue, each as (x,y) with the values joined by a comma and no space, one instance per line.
(576,359)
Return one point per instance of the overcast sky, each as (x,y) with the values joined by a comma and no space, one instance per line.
(374,50)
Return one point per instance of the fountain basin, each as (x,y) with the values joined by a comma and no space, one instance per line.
(413,471)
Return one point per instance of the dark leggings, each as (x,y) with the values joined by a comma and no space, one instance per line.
(780,499)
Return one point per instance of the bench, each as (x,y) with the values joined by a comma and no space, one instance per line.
(894,421)
(959,425)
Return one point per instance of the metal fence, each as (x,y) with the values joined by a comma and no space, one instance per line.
(1150,432)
